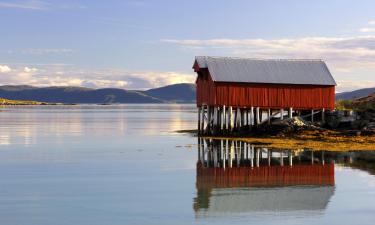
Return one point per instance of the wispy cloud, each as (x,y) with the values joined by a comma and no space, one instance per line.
(368,29)
(350,59)
(349,85)
(120,23)
(42,51)
(32,5)
(343,52)
(41,5)
(137,3)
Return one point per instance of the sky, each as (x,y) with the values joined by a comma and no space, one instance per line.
(141,44)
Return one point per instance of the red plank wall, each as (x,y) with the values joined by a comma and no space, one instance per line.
(274,96)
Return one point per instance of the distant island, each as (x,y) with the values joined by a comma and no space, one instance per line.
(176,93)
(23,94)
(4,101)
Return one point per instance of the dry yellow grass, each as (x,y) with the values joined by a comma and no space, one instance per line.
(4,101)
(328,140)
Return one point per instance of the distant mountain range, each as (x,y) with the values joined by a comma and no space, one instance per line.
(177,93)
(355,94)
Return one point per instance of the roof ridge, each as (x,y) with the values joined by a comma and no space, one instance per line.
(260,59)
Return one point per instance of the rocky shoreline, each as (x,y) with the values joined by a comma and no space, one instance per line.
(296,134)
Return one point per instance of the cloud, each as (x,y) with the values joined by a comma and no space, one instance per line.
(157,79)
(5,69)
(350,59)
(30,70)
(32,5)
(63,75)
(349,85)
(41,5)
(43,51)
(345,53)
(137,3)
(367,30)
(370,29)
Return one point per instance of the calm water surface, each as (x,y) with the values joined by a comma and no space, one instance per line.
(127,165)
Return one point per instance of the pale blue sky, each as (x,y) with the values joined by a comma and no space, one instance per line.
(143,44)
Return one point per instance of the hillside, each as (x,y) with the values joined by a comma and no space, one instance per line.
(365,103)
(176,93)
(355,94)
(173,93)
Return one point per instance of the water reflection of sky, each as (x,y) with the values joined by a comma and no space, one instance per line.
(126,165)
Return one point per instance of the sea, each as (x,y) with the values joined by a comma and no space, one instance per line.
(136,164)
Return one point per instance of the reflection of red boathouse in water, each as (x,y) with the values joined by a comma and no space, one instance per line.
(251,88)
(237,177)
(264,175)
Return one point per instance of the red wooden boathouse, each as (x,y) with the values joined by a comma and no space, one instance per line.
(225,84)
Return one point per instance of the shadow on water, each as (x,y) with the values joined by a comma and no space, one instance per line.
(237,177)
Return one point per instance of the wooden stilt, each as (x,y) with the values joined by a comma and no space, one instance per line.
(230,118)
(214,154)
(269,157)
(257,116)
(224,122)
(242,118)
(269,116)
(290,114)
(199,119)
(202,119)
(252,156)
(251,116)
(238,118)
(247,118)
(323,116)
(235,119)
(281,114)
(239,147)
(199,148)
(218,128)
(231,153)
(208,129)
(215,122)
(312,115)
(290,158)
(225,154)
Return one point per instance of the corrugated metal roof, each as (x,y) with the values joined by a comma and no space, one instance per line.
(271,71)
